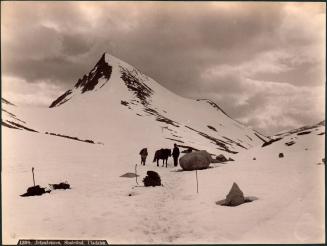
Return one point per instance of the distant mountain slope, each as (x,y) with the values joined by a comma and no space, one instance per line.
(6,102)
(113,86)
(12,121)
(9,119)
(291,137)
(302,130)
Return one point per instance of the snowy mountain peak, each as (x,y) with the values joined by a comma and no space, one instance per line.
(102,70)
(127,92)
(97,77)
(101,74)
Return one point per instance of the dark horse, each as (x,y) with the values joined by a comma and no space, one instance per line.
(162,154)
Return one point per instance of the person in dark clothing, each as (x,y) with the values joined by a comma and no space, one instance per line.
(175,155)
(144,154)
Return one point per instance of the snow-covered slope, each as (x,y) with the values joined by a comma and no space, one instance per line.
(102,205)
(318,128)
(9,119)
(116,95)
(291,137)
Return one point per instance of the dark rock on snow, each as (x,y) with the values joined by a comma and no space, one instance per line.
(290,143)
(304,133)
(221,158)
(271,141)
(281,155)
(212,128)
(195,160)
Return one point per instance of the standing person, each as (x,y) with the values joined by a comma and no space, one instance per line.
(144,154)
(175,155)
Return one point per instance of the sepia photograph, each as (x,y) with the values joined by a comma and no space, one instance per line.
(179,122)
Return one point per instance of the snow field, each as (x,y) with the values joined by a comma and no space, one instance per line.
(289,208)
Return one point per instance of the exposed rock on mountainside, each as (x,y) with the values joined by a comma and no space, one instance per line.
(6,102)
(100,74)
(115,89)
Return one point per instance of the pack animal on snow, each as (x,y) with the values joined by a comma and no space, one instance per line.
(162,154)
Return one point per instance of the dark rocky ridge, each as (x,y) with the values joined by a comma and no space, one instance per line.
(303,133)
(13,116)
(176,140)
(6,102)
(15,125)
(222,144)
(61,99)
(160,117)
(101,70)
(213,105)
(258,136)
(9,126)
(271,141)
(237,143)
(69,137)
(302,129)
(212,128)
(15,122)
(136,85)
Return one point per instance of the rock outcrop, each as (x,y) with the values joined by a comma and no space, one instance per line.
(195,160)
(221,158)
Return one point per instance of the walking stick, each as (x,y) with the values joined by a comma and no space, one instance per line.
(136,174)
(197,184)
(33,175)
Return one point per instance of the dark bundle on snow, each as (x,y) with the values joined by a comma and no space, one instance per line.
(36,191)
(62,186)
(281,155)
(152,179)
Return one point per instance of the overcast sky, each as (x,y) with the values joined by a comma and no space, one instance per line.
(263,63)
